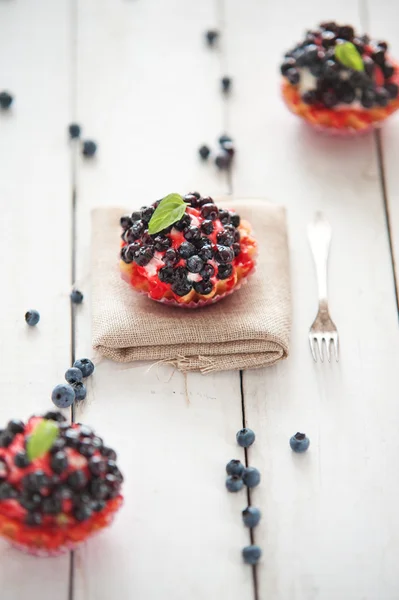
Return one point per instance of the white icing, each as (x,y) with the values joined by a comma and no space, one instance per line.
(194,277)
(152,267)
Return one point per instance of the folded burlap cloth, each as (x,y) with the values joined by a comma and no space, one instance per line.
(250,328)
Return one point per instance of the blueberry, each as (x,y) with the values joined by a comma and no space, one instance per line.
(63,395)
(392,89)
(235,219)
(251,554)
(192,234)
(251,477)
(378,56)
(245,437)
(32,317)
(146,213)
(299,442)
(211,36)
(53,415)
(182,288)
(35,481)
(192,199)
(237,249)
(76,297)
(203,287)
(208,271)
(7,491)
(59,462)
(328,38)
(368,98)
(97,443)
(204,152)
(224,216)
(310,97)
(59,444)
(206,252)
(235,467)
(80,391)
(109,453)
(77,480)
(16,426)
(170,258)
(21,460)
(86,447)
(388,70)
(187,249)
(98,505)
(184,222)
(329,99)
(98,488)
(51,505)
(209,212)
(162,243)
(381,96)
(288,63)
(224,254)
(224,271)
(74,131)
(207,227)
(73,375)
(30,501)
(89,148)
(195,264)
(251,516)
(71,437)
(293,76)
(5,100)
(85,365)
(6,438)
(369,65)
(223,160)
(234,483)
(346,32)
(113,483)
(225,238)
(226,84)
(82,513)
(33,519)
(97,466)
(346,93)
(166,274)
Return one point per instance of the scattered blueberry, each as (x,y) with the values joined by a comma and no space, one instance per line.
(195,264)
(203,287)
(85,365)
(251,477)
(32,317)
(16,426)
(5,100)
(211,36)
(234,483)
(223,160)
(89,148)
(299,442)
(235,467)
(224,271)
(63,395)
(74,131)
(73,375)
(226,84)
(245,437)
(80,391)
(76,297)
(204,152)
(251,516)
(251,554)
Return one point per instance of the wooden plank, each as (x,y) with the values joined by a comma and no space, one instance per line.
(34,241)
(381,24)
(152,102)
(330,527)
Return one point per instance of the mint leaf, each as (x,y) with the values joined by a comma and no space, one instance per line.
(347,54)
(41,439)
(169,211)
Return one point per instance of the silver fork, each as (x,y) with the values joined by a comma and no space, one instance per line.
(323,328)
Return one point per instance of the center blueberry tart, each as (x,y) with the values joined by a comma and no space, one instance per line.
(59,484)
(185,251)
(339,80)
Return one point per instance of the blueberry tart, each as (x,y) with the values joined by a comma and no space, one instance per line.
(340,81)
(59,484)
(185,251)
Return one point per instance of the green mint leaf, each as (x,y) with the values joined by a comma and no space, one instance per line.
(169,211)
(41,439)
(347,54)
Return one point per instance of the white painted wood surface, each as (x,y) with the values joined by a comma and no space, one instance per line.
(330,522)
(35,245)
(140,80)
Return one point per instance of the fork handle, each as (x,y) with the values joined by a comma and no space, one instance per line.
(319,235)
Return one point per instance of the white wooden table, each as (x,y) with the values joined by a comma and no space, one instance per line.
(137,75)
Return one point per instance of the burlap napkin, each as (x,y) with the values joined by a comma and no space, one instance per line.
(248,329)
